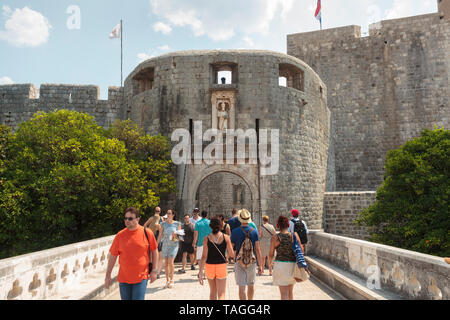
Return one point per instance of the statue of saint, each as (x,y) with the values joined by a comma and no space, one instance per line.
(222,115)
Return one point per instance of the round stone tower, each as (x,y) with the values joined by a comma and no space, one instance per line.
(187,91)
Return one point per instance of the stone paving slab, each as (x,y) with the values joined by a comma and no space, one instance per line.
(186,287)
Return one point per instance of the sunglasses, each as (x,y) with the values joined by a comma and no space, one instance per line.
(129,219)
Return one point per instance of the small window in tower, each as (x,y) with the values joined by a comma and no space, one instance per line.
(224,73)
(143,81)
(282,81)
(295,77)
(224,77)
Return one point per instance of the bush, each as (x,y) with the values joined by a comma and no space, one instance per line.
(64,180)
(412,205)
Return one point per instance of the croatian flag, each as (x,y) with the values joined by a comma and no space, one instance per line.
(318,13)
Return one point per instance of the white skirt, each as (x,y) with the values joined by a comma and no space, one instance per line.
(283,273)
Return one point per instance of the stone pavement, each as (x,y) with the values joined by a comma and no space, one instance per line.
(186,287)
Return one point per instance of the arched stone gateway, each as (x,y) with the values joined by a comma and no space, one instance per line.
(220,188)
(222,191)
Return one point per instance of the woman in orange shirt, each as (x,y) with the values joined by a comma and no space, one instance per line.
(132,248)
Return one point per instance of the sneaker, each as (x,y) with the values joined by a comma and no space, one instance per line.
(192,267)
(181,271)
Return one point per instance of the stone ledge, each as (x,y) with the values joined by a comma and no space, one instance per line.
(345,283)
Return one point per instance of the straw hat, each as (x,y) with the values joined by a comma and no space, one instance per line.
(244,216)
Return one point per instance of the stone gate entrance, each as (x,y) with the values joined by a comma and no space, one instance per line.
(220,192)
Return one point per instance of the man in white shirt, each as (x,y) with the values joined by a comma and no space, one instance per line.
(295,213)
(195,217)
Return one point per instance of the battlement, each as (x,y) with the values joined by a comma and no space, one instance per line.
(385,27)
(18,102)
(13,93)
(17,92)
(347,32)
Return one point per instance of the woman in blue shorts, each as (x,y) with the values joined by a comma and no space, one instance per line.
(169,241)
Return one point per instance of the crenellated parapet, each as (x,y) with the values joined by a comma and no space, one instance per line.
(18,102)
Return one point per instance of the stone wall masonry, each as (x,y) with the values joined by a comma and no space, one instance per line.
(54,273)
(410,274)
(19,102)
(383,89)
(342,208)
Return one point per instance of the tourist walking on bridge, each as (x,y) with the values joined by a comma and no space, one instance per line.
(214,260)
(201,230)
(246,240)
(187,246)
(266,233)
(169,240)
(284,266)
(153,223)
(299,226)
(133,247)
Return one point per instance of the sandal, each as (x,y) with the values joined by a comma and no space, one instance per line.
(170,284)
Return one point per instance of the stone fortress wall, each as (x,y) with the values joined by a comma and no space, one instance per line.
(383,89)
(18,102)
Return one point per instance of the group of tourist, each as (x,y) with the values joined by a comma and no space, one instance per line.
(211,244)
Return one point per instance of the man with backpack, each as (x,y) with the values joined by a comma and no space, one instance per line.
(246,241)
(299,226)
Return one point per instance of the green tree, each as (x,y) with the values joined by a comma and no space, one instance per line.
(152,154)
(412,205)
(63,180)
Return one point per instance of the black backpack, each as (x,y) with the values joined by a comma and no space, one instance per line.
(300,228)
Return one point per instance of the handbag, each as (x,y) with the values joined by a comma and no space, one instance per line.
(150,264)
(300,273)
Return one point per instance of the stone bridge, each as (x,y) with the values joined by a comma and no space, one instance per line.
(342,268)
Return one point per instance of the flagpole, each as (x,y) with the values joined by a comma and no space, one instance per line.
(121,54)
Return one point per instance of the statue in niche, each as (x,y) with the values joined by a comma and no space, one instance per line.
(238,194)
(222,115)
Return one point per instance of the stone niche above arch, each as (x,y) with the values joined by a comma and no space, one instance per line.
(223,106)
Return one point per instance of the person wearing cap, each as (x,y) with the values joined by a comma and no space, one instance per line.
(246,277)
(195,217)
(295,213)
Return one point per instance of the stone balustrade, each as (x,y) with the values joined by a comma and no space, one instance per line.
(410,274)
(54,273)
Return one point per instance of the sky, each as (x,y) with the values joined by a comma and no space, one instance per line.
(67,41)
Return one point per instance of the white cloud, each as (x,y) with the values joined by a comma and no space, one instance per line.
(264,24)
(25,27)
(5,80)
(164,48)
(406,8)
(162,27)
